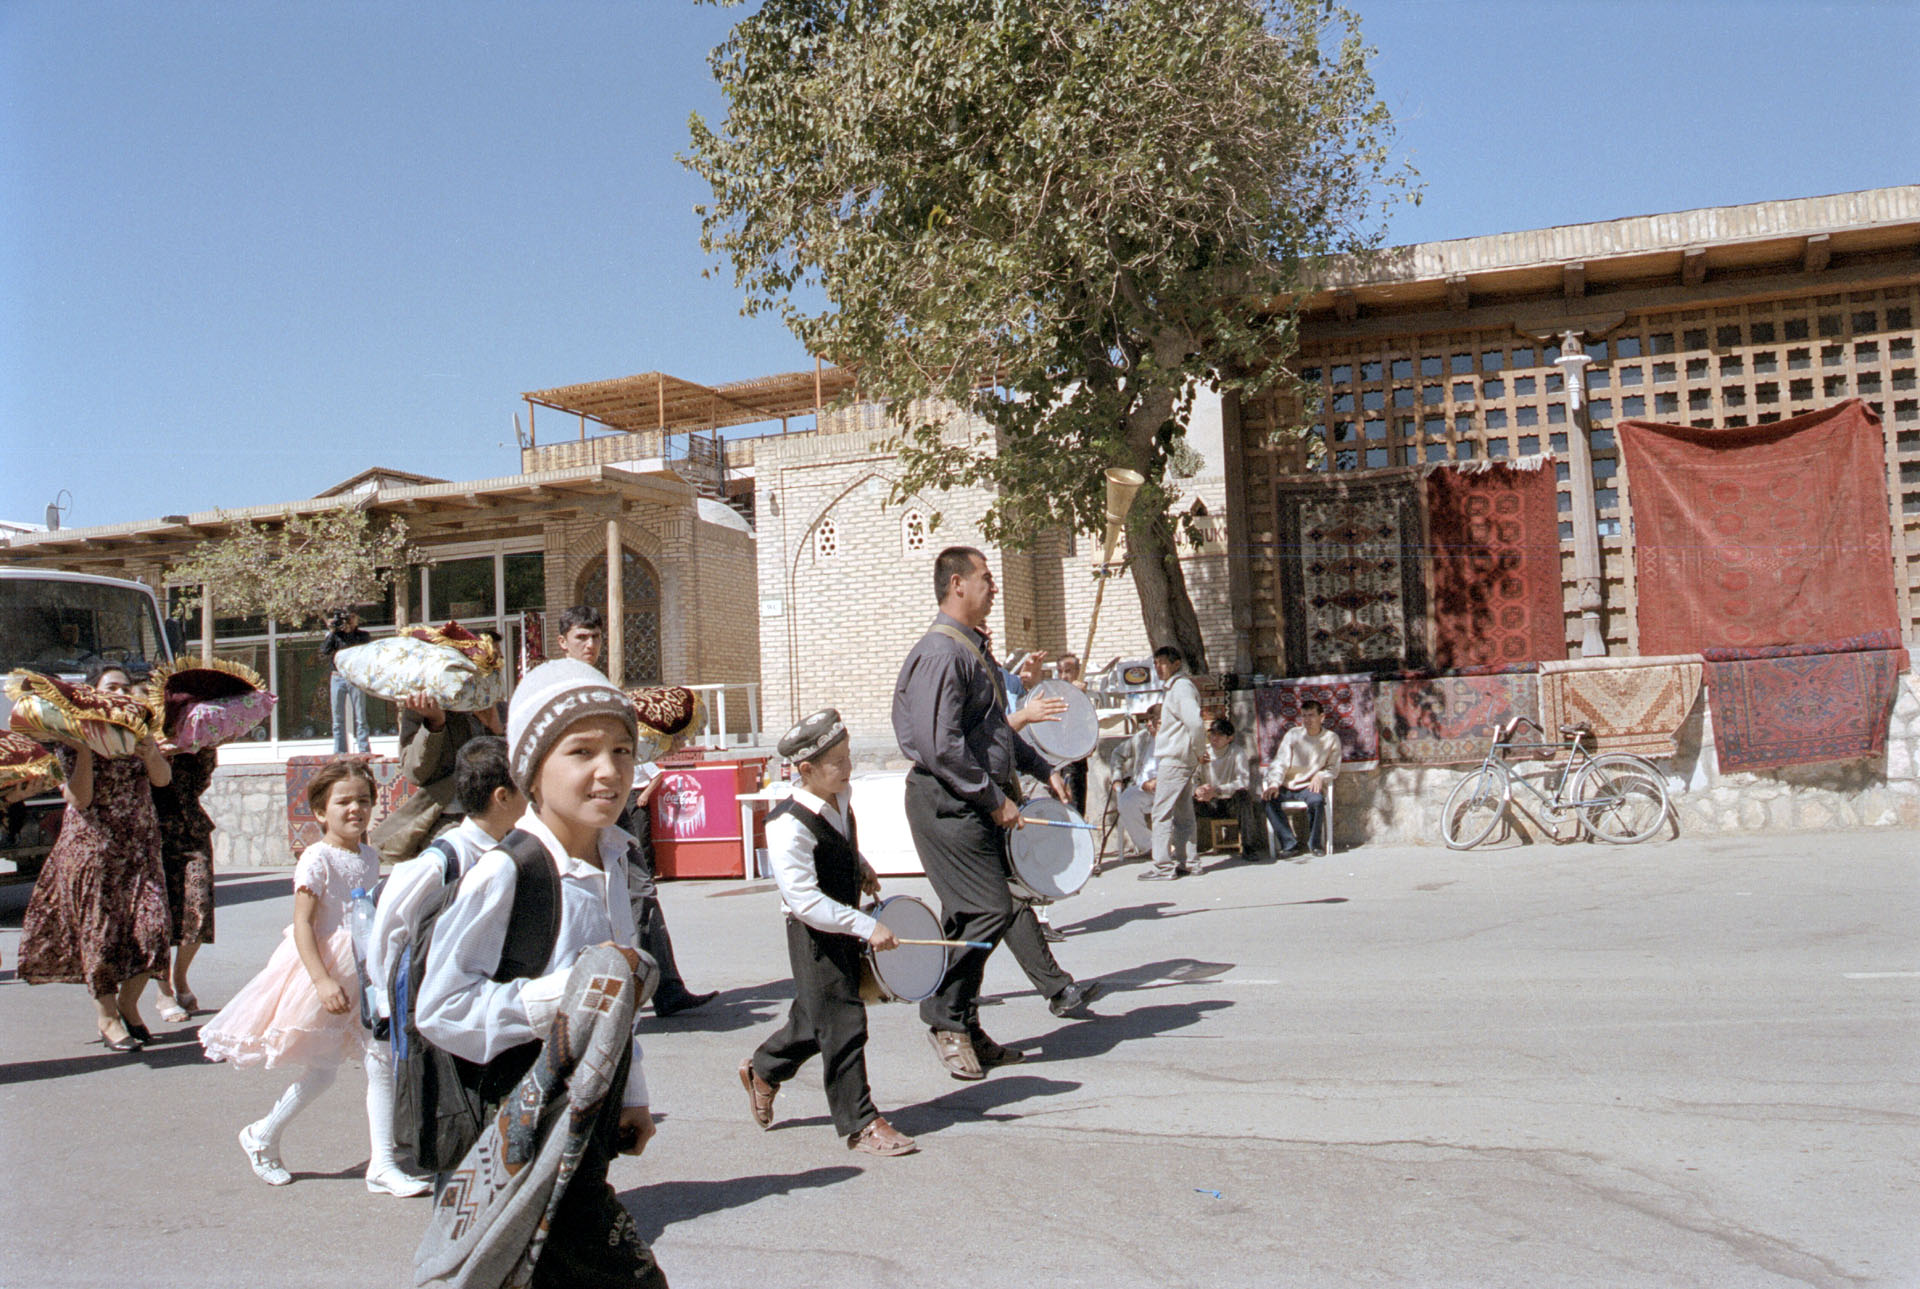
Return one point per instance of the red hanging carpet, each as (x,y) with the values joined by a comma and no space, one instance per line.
(1494,532)
(1346,703)
(1762,534)
(1799,704)
(1450,720)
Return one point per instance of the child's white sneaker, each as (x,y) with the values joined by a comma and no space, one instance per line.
(391,1181)
(265,1166)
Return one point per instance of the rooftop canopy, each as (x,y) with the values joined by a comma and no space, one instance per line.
(655,401)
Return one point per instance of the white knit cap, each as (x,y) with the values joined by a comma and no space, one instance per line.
(550,700)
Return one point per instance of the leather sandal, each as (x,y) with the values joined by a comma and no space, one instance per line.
(956,1053)
(760,1094)
(881,1138)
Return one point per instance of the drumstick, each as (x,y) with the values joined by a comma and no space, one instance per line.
(948,944)
(1054,823)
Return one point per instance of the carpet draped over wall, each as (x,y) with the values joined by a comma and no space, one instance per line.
(1347,702)
(1352,579)
(1493,529)
(1633,704)
(1801,704)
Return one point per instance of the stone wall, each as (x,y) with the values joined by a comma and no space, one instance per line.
(249,808)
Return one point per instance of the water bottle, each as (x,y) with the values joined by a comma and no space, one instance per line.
(360,923)
(360,931)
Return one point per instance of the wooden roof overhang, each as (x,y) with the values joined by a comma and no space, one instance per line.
(433,512)
(656,402)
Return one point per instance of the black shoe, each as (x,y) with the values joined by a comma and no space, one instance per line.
(681,1003)
(991,1054)
(1075,997)
(1050,935)
(138,1032)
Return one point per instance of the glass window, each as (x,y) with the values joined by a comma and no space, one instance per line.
(526,577)
(302,681)
(379,613)
(60,627)
(460,588)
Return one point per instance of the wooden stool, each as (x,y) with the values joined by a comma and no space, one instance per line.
(1219,834)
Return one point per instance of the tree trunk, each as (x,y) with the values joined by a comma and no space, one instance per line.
(1165,606)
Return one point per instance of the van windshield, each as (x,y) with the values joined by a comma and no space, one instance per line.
(63,628)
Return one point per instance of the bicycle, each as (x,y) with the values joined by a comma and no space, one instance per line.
(1615,796)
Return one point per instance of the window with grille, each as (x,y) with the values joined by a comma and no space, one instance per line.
(913,532)
(826,540)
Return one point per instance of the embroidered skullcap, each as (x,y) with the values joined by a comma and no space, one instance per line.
(812,736)
(550,700)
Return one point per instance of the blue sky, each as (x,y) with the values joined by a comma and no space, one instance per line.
(250,249)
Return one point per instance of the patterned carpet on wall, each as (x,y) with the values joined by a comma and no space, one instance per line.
(1450,720)
(1800,704)
(1493,529)
(303,829)
(1760,535)
(1633,704)
(1347,702)
(1352,580)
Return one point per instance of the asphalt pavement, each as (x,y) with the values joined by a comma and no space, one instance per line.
(1680,1064)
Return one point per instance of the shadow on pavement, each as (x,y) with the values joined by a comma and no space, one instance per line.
(734,1009)
(976,1102)
(655,1208)
(1098,1035)
(230,889)
(162,1055)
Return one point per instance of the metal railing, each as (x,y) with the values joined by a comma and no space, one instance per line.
(715,728)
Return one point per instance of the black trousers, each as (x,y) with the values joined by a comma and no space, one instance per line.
(1028,945)
(651,931)
(827,1019)
(593,1243)
(964,854)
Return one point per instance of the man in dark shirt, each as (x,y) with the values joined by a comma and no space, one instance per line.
(949,716)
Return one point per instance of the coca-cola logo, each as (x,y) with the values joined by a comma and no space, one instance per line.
(683,805)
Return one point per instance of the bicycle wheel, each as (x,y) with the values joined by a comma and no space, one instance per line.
(1475,808)
(1620,798)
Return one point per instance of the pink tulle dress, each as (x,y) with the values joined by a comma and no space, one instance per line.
(276,1018)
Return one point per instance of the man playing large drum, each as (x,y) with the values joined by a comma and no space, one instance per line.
(949,715)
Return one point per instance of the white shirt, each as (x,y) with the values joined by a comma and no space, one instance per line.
(790,846)
(1182,733)
(1301,755)
(463,1009)
(409,889)
(1226,771)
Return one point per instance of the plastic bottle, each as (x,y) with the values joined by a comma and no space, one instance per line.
(360,924)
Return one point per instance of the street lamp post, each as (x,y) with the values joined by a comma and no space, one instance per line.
(1573,361)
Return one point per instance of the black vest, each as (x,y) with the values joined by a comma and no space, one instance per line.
(836,859)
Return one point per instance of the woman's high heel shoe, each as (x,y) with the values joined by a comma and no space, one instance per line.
(127,1042)
(139,1033)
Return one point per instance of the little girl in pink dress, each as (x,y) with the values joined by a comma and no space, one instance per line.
(301,1009)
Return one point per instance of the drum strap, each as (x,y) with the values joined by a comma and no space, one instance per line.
(993,671)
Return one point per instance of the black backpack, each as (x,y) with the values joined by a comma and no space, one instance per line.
(440,1100)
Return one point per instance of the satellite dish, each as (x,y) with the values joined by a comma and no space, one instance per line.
(519,435)
(55,510)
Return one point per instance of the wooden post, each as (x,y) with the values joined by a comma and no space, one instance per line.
(206,622)
(616,605)
(533,433)
(1573,361)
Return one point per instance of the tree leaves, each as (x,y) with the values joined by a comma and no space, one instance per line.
(296,572)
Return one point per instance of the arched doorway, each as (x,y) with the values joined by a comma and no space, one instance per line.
(640,632)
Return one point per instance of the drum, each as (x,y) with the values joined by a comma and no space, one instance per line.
(912,971)
(1046,863)
(1075,734)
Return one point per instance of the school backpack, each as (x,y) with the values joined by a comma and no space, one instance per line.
(439,1099)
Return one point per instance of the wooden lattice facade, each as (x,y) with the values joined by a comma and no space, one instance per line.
(1485,387)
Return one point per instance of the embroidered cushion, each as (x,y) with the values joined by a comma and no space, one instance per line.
(26,768)
(204,703)
(399,667)
(665,713)
(48,709)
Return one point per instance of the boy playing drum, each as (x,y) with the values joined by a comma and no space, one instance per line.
(813,846)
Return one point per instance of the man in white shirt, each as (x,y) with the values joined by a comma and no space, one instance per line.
(1176,753)
(1305,764)
(1224,790)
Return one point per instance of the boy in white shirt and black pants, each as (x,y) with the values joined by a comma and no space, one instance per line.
(813,846)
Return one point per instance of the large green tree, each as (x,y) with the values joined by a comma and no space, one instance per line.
(297,571)
(1059,215)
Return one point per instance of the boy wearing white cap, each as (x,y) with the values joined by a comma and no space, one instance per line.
(814,848)
(551,1034)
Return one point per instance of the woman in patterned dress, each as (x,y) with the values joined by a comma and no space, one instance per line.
(186,855)
(98,915)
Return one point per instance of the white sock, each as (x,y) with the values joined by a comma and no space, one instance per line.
(380,1109)
(300,1094)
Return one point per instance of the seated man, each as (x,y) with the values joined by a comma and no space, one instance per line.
(1305,763)
(1224,788)
(1133,782)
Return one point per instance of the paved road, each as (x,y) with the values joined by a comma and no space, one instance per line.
(1682,1064)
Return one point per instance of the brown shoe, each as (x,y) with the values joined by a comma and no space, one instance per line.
(881,1138)
(759,1094)
(992,1055)
(956,1053)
